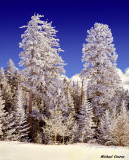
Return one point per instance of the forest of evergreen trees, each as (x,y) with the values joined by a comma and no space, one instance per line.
(40,104)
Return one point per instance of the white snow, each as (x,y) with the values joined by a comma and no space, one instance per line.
(22,151)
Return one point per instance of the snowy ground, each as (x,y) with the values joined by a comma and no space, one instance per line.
(21,151)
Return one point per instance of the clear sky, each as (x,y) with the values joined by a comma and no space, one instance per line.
(72,19)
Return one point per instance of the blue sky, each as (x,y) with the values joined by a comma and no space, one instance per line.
(72,19)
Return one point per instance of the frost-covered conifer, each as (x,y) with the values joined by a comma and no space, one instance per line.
(5,87)
(114,127)
(10,72)
(2,117)
(105,127)
(61,121)
(75,89)
(70,121)
(9,127)
(40,53)
(41,59)
(21,124)
(3,79)
(121,127)
(55,123)
(100,69)
(13,76)
(54,126)
(86,125)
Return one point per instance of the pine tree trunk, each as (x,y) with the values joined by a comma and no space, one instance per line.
(55,136)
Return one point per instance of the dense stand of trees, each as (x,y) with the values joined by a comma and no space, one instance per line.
(39,104)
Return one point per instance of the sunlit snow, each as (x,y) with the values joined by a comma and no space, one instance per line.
(21,151)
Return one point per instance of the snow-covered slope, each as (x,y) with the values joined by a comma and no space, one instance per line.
(21,151)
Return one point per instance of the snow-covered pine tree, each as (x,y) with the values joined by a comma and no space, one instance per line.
(13,78)
(40,53)
(121,127)
(86,129)
(61,122)
(18,78)
(6,123)
(70,121)
(10,72)
(100,69)
(55,121)
(105,128)
(54,126)
(3,80)
(7,128)
(13,75)
(5,88)
(40,58)
(114,127)
(22,127)
(75,89)
(2,116)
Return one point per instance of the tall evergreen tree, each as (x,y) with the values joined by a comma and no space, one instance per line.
(22,127)
(100,69)
(86,125)
(40,58)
